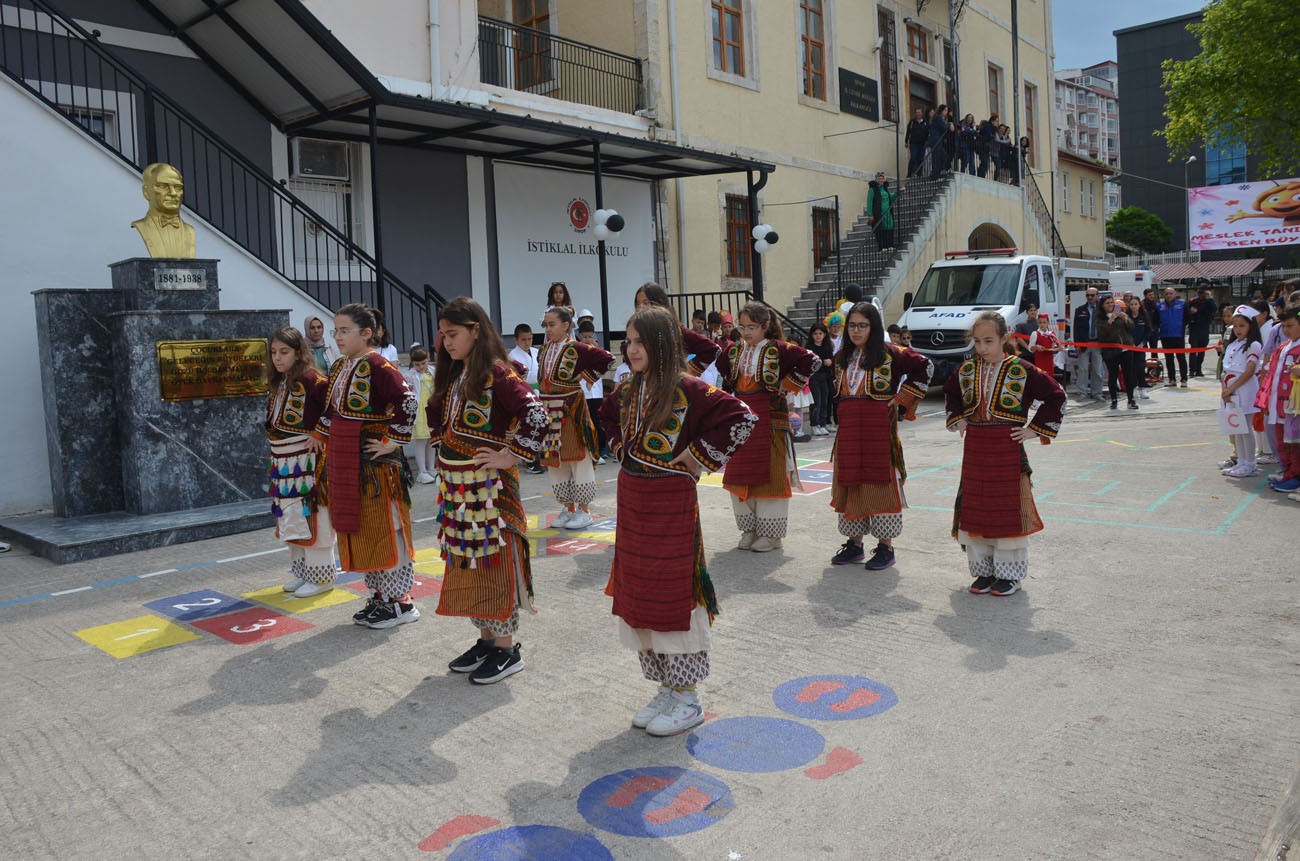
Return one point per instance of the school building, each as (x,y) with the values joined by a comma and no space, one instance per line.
(406,152)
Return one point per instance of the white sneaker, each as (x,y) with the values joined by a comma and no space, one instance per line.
(1295,496)
(294,584)
(763,545)
(425,478)
(685,714)
(600,461)
(1276,476)
(1144,394)
(310,590)
(746,540)
(1241,470)
(563,520)
(1266,458)
(580,520)
(1228,464)
(661,703)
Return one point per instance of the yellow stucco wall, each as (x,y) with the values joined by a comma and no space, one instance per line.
(1081,227)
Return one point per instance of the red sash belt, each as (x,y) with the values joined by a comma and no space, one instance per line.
(990,482)
(752,463)
(655,551)
(343,465)
(864,446)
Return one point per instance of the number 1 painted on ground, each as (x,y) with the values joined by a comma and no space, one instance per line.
(139,633)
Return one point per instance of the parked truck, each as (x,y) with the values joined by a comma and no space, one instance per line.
(965,284)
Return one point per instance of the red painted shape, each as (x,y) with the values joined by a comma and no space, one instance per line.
(254,625)
(690,800)
(839,760)
(710,715)
(636,787)
(813,691)
(859,699)
(454,829)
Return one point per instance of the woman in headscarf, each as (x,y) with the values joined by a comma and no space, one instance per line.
(324,352)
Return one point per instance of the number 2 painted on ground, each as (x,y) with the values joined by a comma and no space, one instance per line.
(255,627)
(206,602)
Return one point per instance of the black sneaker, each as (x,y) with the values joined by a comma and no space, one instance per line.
(390,614)
(372,603)
(1003,588)
(982,585)
(850,553)
(499,664)
(881,559)
(469,662)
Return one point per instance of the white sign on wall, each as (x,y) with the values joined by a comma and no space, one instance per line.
(544,234)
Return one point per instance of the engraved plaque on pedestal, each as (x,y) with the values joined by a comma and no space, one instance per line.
(200,370)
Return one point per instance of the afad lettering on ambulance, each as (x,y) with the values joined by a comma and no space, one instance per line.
(949,314)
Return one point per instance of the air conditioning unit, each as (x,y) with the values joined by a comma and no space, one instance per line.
(318,159)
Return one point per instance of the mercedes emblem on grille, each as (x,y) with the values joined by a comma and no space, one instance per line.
(936,339)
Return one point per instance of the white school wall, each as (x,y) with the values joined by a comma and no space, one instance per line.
(69,204)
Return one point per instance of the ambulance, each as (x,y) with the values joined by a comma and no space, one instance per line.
(965,284)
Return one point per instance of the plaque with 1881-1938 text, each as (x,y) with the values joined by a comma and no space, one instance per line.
(201,370)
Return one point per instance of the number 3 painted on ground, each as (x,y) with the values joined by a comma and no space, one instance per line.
(257,626)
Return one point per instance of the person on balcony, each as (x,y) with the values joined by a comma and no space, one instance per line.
(918,133)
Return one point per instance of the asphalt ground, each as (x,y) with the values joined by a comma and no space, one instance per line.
(1138,699)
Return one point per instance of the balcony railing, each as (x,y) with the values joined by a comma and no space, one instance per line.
(535,61)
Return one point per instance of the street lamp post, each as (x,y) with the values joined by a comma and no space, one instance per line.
(1187,210)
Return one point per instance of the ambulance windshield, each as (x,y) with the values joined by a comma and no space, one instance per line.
(980,284)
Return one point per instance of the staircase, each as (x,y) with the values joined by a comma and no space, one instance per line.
(121,110)
(860,260)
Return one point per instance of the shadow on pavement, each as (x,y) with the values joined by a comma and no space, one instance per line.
(996,628)
(846,593)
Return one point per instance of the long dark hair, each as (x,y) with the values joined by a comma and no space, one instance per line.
(817,327)
(873,352)
(656,295)
(1252,333)
(765,317)
(665,361)
(567,300)
(486,352)
(294,340)
(380,338)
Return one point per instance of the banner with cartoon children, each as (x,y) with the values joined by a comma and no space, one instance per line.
(1245,215)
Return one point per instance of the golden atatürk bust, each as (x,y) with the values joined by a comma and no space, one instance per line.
(162,230)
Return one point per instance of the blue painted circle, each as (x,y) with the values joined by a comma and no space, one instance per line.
(755,744)
(532,843)
(660,801)
(834,697)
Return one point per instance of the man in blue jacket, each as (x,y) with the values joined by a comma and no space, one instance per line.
(1173,324)
(1088,367)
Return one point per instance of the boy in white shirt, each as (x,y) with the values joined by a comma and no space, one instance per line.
(595,392)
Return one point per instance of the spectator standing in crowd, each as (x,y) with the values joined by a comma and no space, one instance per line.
(1142,329)
(420,379)
(1022,159)
(594,391)
(1200,314)
(1044,345)
(1115,327)
(699,321)
(1089,365)
(1225,337)
(940,128)
(986,145)
(880,210)
(1023,330)
(557,296)
(823,379)
(966,137)
(381,342)
(918,133)
(1003,158)
(322,351)
(1173,323)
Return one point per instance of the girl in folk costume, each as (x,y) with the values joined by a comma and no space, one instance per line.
(700,349)
(571,446)
(664,427)
(362,476)
(761,369)
(297,396)
(1241,359)
(873,380)
(486,421)
(1044,345)
(988,403)
(1278,399)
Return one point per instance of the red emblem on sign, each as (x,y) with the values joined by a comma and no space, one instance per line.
(579,213)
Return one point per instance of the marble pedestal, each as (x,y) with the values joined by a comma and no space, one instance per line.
(130,470)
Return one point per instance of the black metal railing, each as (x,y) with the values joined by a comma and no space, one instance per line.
(729,302)
(59,62)
(1043,213)
(535,61)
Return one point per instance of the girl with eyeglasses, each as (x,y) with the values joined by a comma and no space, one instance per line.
(761,370)
(362,476)
(874,381)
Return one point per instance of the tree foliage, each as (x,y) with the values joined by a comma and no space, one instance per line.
(1139,228)
(1242,87)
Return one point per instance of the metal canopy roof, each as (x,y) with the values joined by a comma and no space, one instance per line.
(1207,269)
(286,63)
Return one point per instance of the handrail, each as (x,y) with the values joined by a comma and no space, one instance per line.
(58,61)
(1043,213)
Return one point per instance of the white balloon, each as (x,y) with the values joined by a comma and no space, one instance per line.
(599,217)
(601,232)
(761,246)
(759,231)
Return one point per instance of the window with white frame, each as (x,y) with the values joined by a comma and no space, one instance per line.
(1065,191)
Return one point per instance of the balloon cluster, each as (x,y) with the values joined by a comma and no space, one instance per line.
(608,224)
(764,238)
